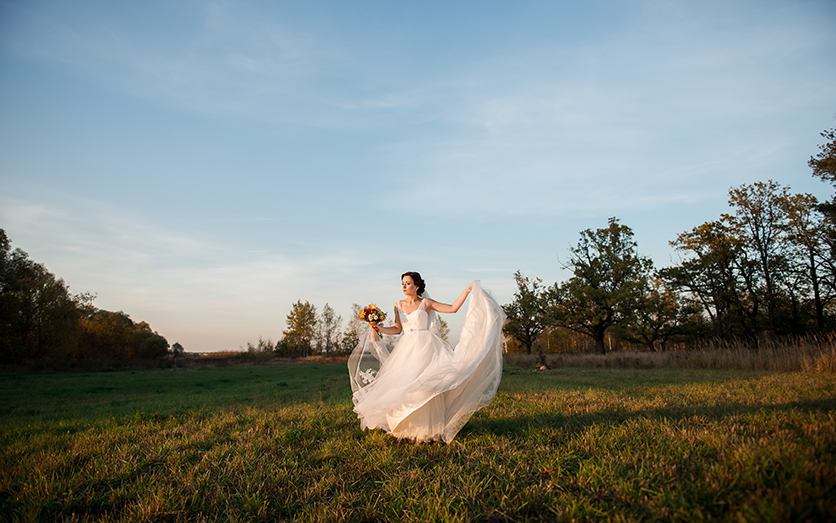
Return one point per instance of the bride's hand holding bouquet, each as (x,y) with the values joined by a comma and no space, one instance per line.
(374,316)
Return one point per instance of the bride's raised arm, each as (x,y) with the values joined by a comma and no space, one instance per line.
(454,307)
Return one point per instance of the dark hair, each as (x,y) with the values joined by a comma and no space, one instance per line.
(417,280)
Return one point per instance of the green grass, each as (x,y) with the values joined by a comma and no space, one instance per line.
(282,443)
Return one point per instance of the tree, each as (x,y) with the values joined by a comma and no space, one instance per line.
(353,332)
(53,314)
(526,314)
(828,258)
(301,329)
(765,268)
(608,278)
(153,346)
(114,335)
(443,329)
(824,167)
(717,275)
(177,350)
(349,341)
(107,334)
(660,315)
(759,221)
(329,330)
(262,349)
(38,315)
(807,232)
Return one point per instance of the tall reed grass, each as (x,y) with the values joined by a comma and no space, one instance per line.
(808,354)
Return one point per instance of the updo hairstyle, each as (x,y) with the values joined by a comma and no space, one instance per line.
(417,280)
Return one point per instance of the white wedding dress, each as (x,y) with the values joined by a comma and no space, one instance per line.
(424,390)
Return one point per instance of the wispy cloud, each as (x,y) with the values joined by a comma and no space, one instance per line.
(236,61)
(608,126)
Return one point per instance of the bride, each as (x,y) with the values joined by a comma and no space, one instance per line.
(424,390)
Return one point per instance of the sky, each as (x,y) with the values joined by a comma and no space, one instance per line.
(203,165)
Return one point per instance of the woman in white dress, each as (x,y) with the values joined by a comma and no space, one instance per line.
(424,390)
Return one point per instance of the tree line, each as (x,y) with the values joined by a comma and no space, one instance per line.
(41,318)
(764,269)
(310,333)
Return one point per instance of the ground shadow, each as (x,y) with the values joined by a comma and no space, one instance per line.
(577,423)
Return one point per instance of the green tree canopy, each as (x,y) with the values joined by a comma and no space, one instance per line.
(759,222)
(714,274)
(301,329)
(824,163)
(808,231)
(660,315)
(353,331)
(115,335)
(328,327)
(609,277)
(38,314)
(526,314)
(39,317)
(824,167)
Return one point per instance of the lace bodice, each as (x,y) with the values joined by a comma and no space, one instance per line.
(417,320)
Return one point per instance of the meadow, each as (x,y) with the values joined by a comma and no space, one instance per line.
(280,442)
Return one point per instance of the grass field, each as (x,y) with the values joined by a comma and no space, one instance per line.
(281,442)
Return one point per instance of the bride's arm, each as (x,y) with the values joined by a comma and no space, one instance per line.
(454,307)
(395,329)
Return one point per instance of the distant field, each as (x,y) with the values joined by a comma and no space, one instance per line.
(281,442)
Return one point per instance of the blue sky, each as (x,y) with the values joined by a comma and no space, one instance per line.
(203,165)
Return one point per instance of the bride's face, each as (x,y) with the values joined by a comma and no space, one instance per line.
(409,287)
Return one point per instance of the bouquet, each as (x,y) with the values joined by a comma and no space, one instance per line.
(372,314)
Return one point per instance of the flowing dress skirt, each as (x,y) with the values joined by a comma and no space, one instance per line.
(424,390)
